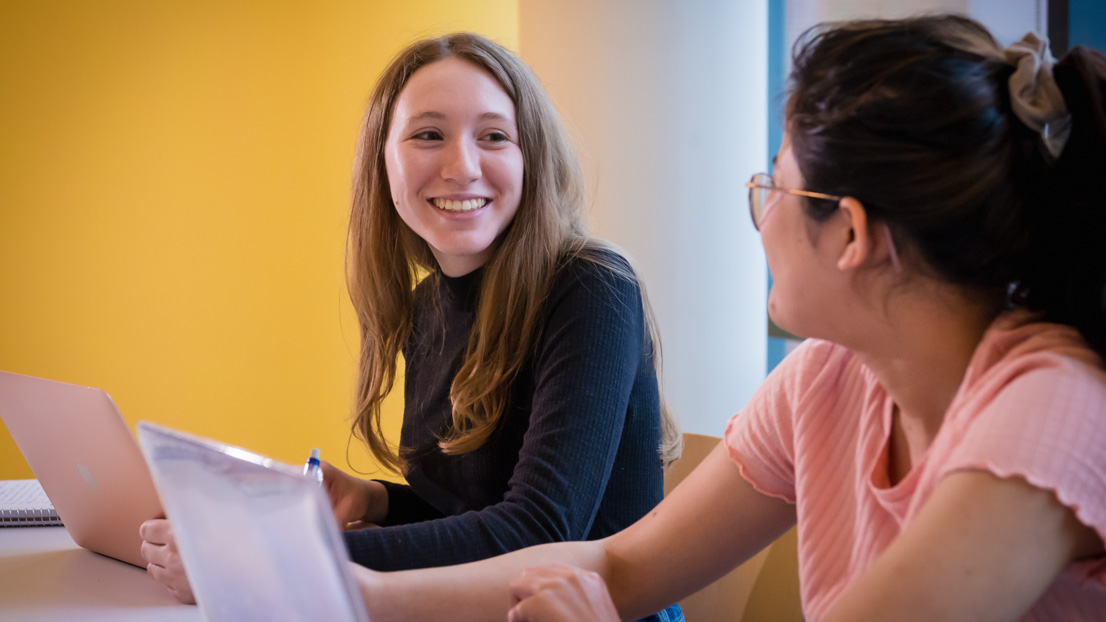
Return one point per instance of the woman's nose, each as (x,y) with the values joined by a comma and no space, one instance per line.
(462,162)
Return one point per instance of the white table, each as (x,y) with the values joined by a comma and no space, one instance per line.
(45,576)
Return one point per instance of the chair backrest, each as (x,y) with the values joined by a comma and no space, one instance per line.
(773,572)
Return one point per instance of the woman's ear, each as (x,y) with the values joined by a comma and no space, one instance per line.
(859,244)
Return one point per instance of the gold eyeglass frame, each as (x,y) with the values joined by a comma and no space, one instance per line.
(763,181)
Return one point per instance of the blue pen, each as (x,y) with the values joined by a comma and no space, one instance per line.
(312,468)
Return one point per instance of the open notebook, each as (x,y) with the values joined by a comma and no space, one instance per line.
(24,503)
(257,537)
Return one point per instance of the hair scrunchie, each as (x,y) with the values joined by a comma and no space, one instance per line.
(1034,96)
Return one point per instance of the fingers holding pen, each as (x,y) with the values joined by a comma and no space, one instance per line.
(347,500)
(354,499)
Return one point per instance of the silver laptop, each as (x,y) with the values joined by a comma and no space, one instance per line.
(83,454)
(257,537)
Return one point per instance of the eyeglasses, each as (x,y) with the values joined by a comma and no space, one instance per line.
(760,186)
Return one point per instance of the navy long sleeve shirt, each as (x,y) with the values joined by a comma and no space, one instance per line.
(574,457)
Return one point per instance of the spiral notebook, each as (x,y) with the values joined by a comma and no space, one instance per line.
(23,503)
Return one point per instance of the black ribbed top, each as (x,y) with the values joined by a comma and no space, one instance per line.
(575,456)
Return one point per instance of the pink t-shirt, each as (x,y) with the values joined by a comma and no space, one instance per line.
(1032,404)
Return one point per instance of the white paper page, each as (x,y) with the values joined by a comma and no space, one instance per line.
(24,503)
(23,494)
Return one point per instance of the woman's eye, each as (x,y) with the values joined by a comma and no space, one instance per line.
(427,135)
(496,137)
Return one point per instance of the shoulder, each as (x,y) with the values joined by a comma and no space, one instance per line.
(596,276)
(813,374)
(1018,351)
(594,300)
(816,363)
(1035,407)
(819,384)
(595,263)
(1033,392)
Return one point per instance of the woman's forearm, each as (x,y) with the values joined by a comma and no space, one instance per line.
(469,592)
(713,521)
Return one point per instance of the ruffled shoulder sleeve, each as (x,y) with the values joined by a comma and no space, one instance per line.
(760,438)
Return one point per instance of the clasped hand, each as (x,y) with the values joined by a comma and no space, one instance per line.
(560,593)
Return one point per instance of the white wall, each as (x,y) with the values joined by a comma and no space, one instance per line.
(668,102)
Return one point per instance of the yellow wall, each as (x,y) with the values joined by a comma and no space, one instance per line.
(173,195)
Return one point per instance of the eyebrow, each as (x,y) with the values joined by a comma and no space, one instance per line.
(432,114)
(426,115)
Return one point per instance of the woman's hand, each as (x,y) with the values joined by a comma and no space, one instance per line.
(354,499)
(159,549)
(560,593)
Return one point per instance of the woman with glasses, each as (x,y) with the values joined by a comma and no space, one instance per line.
(933,224)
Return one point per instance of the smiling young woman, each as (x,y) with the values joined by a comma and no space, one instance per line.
(532,410)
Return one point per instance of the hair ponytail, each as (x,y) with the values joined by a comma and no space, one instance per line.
(1067,279)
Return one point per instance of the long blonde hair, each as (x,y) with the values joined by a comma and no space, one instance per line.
(385,257)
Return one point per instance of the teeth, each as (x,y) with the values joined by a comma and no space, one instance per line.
(459,206)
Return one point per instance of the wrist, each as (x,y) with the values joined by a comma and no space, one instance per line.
(376,496)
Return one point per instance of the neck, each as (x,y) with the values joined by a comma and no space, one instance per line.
(920,352)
